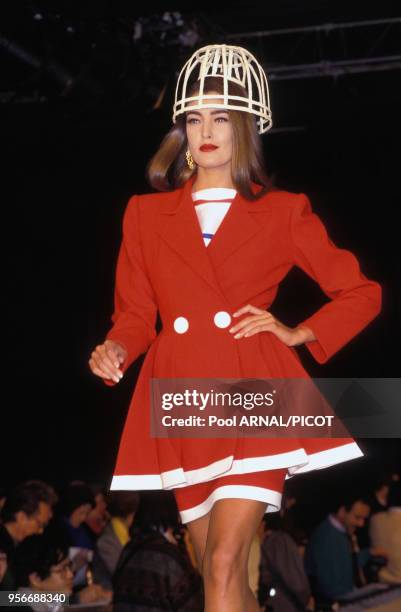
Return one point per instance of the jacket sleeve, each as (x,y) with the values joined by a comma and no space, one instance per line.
(354,299)
(135,307)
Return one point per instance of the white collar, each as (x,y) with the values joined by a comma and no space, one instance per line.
(336,523)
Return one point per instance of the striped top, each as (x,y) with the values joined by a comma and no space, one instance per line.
(211,205)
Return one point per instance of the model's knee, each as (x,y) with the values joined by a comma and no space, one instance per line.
(222,564)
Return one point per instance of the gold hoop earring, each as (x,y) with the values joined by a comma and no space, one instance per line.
(190,161)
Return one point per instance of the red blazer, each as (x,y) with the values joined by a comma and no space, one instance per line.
(163,265)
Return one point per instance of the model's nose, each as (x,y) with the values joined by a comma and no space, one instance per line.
(222,319)
(181,325)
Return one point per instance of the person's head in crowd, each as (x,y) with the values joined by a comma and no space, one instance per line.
(123,505)
(98,514)
(352,511)
(394,496)
(43,566)
(157,510)
(76,502)
(28,508)
(381,488)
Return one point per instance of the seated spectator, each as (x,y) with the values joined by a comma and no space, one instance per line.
(283,584)
(385,533)
(66,529)
(26,511)
(98,516)
(378,501)
(153,571)
(122,506)
(76,501)
(332,560)
(40,565)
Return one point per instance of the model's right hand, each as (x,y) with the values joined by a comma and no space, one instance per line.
(106,359)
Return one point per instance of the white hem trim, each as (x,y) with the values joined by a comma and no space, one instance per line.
(223,467)
(327,458)
(271,497)
(296,462)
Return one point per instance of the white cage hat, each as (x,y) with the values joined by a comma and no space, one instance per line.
(234,64)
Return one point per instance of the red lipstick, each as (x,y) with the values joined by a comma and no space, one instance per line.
(208,147)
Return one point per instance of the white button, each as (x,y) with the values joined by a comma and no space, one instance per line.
(181,325)
(222,319)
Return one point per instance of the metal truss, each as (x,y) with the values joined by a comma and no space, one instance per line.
(328,50)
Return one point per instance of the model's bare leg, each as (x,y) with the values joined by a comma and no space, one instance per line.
(232,525)
(198,534)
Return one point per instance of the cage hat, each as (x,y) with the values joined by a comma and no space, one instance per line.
(234,64)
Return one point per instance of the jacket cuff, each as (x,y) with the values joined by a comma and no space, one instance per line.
(318,348)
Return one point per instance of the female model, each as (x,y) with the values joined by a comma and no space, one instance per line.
(208,253)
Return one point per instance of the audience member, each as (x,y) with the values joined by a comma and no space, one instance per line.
(283,584)
(66,530)
(76,501)
(98,516)
(385,533)
(154,570)
(26,511)
(41,565)
(378,501)
(122,506)
(332,559)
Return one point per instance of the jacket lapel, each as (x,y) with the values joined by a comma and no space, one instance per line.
(240,224)
(180,228)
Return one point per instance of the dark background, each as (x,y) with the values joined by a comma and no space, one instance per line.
(78,126)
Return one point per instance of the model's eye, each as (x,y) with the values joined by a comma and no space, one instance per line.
(222,119)
(191,120)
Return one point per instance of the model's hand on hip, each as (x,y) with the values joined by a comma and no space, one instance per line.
(106,359)
(262,320)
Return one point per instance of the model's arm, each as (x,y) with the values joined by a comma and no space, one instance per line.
(135,307)
(355,300)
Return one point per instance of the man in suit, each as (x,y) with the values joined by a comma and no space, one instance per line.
(385,532)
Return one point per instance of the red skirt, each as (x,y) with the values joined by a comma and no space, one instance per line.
(196,500)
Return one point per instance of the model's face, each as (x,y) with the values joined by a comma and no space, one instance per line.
(210,126)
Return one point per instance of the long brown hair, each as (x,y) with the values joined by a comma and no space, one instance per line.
(168,168)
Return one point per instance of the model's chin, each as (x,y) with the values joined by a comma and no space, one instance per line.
(212,163)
